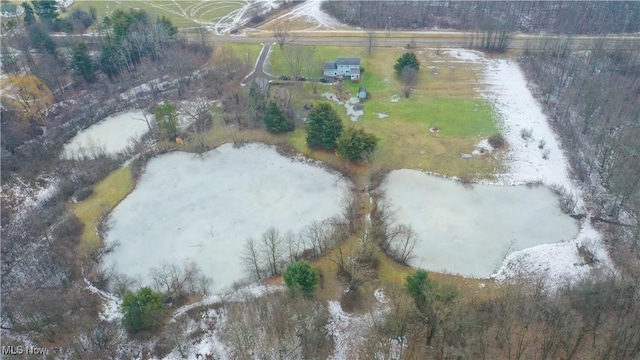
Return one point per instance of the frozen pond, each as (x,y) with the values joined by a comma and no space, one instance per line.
(202,209)
(111,134)
(468,231)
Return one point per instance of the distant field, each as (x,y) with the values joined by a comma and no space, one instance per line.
(447,97)
(183,13)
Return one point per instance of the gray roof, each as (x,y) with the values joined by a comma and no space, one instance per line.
(329,65)
(9,8)
(348,61)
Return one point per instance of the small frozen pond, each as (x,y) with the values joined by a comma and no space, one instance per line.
(202,209)
(111,134)
(468,231)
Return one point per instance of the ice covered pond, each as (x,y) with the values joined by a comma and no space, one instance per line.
(111,134)
(202,209)
(468,231)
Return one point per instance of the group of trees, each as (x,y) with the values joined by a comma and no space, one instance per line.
(273,252)
(325,131)
(575,17)
(593,100)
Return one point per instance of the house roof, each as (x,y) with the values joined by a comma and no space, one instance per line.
(9,8)
(329,65)
(353,61)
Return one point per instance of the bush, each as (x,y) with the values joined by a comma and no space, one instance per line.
(324,128)
(302,277)
(142,310)
(355,144)
(496,141)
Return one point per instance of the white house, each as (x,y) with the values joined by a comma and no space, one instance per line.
(343,67)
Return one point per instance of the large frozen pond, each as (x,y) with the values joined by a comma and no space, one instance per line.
(202,209)
(468,231)
(111,134)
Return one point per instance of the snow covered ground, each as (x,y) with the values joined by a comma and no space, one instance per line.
(202,209)
(534,155)
(111,135)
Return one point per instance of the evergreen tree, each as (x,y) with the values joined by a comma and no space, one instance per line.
(47,10)
(167,120)
(324,127)
(29,17)
(407,59)
(167,24)
(274,120)
(142,310)
(81,63)
(257,104)
(301,277)
(41,40)
(354,144)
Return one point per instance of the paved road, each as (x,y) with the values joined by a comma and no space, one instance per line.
(424,39)
(258,75)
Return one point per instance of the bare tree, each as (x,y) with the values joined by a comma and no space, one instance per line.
(281,33)
(371,39)
(271,246)
(251,259)
(174,282)
(410,79)
(297,57)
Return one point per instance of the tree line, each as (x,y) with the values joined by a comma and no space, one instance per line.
(558,17)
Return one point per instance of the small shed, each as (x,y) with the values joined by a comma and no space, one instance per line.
(362,92)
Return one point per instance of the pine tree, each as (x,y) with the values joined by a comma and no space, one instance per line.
(29,16)
(274,120)
(46,10)
(301,277)
(407,59)
(81,63)
(167,120)
(324,127)
(142,310)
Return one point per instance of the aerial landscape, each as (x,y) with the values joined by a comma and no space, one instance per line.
(319,179)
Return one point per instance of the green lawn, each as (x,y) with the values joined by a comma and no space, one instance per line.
(445,97)
(183,13)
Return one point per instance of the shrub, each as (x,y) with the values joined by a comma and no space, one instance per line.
(496,141)
(142,310)
(302,277)
(354,144)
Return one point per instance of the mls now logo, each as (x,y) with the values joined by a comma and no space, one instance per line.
(23,350)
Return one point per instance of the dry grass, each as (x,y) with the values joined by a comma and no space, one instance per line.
(106,195)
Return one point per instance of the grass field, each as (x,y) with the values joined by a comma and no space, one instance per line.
(183,13)
(447,97)
(106,195)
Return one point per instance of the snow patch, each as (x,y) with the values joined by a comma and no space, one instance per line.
(111,303)
(557,264)
(349,105)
